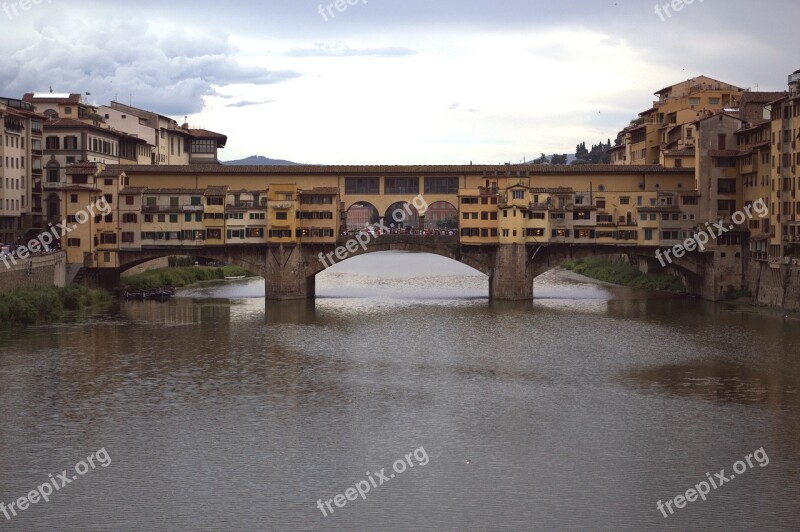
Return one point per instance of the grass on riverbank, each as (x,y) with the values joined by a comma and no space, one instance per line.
(179,277)
(619,271)
(45,305)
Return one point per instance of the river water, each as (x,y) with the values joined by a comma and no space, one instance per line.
(577,411)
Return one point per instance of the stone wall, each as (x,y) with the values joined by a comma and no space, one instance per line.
(774,285)
(35,272)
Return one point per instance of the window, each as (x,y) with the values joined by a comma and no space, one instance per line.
(624,200)
(162,218)
(401,185)
(129,218)
(173,218)
(518,194)
(361,185)
(281,215)
(74,242)
(128,200)
(214,200)
(441,185)
(694,101)
(202,145)
(196,200)
(127,237)
(73,198)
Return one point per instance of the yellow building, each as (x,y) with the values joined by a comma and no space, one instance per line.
(282,203)
(668,126)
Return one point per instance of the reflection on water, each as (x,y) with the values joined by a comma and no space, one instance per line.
(577,411)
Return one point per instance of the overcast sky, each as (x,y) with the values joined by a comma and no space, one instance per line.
(394,81)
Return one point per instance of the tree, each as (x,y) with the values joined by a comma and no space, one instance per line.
(558,159)
(541,160)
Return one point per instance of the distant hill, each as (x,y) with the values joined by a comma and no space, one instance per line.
(260,160)
(570,158)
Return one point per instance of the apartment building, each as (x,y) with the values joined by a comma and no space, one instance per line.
(785,163)
(618,211)
(20,169)
(664,134)
(167,142)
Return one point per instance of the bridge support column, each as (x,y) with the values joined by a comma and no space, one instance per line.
(285,276)
(511,278)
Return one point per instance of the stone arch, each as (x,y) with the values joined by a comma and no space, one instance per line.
(403,215)
(360,214)
(440,213)
(442,246)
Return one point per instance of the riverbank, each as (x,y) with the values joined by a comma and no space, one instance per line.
(51,304)
(179,277)
(619,271)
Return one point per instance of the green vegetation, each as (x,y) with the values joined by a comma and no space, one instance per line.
(618,271)
(43,305)
(178,277)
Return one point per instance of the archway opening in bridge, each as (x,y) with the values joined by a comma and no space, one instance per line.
(396,275)
(402,216)
(441,215)
(361,214)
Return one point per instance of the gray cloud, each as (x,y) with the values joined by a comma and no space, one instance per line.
(246,103)
(171,72)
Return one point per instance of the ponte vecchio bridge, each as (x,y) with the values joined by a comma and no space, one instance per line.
(510,222)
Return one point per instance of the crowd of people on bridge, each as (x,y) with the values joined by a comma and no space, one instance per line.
(374,231)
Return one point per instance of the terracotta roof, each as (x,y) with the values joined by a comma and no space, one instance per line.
(761,97)
(72,123)
(205,134)
(73,188)
(72,98)
(218,190)
(378,170)
(717,115)
(81,168)
(132,191)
